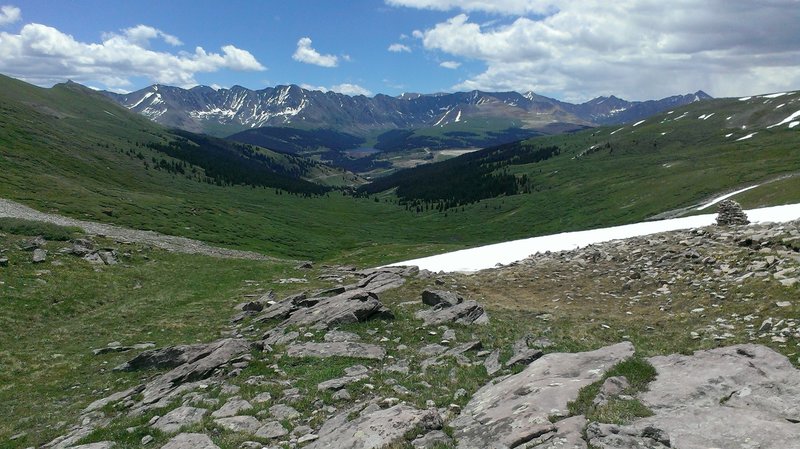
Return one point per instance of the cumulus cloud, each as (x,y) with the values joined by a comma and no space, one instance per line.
(141,35)
(450,65)
(637,48)
(399,48)
(307,54)
(44,55)
(9,14)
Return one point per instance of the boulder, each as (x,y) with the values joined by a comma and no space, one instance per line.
(518,408)
(339,349)
(492,362)
(467,312)
(39,255)
(435,297)
(245,424)
(179,417)
(232,407)
(283,412)
(375,430)
(271,429)
(168,357)
(190,441)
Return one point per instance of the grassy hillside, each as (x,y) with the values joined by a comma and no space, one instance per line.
(70,151)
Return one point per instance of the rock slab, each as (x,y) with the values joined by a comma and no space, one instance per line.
(517,409)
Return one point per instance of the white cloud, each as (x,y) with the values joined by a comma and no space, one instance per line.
(142,34)
(512,7)
(351,89)
(399,48)
(306,53)
(9,14)
(344,88)
(450,64)
(637,48)
(44,55)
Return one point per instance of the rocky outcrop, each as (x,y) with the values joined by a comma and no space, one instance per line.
(730,213)
(518,408)
(198,362)
(179,417)
(376,429)
(740,396)
(466,312)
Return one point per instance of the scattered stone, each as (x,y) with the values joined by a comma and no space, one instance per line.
(523,355)
(262,398)
(341,349)
(282,412)
(3,261)
(612,387)
(147,439)
(305,265)
(730,213)
(783,303)
(342,395)
(492,363)
(271,429)
(179,417)
(766,325)
(518,408)
(246,424)
(307,438)
(39,255)
(610,436)
(190,441)
(232,407)
(375,429)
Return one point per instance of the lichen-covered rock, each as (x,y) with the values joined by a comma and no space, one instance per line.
(339,349)
(517,409)
(179,417)
(467,312)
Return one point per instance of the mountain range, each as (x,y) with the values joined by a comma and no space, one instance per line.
(223,112)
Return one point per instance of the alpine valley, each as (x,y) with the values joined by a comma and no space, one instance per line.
(212,269)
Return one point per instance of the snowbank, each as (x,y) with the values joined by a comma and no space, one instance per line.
(474,259)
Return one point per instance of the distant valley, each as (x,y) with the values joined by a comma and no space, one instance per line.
(328,125)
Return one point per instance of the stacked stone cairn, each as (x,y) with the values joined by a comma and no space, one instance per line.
(730,214)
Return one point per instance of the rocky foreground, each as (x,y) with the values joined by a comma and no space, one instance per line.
(734,390)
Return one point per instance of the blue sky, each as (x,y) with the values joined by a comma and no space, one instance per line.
(571,50)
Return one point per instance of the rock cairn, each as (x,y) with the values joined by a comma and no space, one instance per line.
(731,213)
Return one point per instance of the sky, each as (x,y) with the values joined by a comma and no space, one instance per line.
(572,50)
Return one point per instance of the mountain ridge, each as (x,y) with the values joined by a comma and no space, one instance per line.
(227,111)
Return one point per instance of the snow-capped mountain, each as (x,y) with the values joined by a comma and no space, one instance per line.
(225,111)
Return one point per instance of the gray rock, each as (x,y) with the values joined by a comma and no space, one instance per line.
(39,255)
(232,407)
(108,257)
(341,349)
(99,445)
(115,397)
(517,409)
(282,309)
(168,357)
(3,261)
(207,360)
(179,417)
(262,398)
(568,435)
(431,440)
(436,297)
(93,258)
(380,280)
(190,441)
(401,367)
(271,429)
(610,436)
(335,336)
(147,439)
(740,396)
(492,362)
(81,247)
(281,412)
(524,357)
(341,395)
(432,349)
(244,424)
(613,386)
(349,307)
(467,312)
(376,429)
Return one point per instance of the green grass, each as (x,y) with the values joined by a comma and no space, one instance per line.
(49,231)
